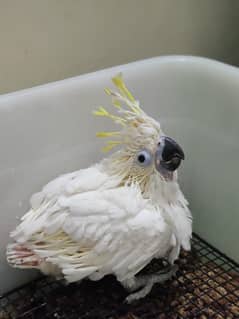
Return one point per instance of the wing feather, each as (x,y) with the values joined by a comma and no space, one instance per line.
(96,232)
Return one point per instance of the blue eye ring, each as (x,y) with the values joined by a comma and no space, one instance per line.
(144,158)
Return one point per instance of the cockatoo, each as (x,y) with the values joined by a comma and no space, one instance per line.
(115,216)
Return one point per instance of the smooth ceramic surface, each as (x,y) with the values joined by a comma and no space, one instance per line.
(49,130)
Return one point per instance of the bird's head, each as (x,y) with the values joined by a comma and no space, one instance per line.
(144,150)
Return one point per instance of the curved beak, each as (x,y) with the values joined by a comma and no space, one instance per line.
(168,155)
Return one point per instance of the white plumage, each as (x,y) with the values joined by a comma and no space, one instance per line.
(111,218)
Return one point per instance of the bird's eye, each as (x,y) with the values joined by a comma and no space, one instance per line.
(144,158)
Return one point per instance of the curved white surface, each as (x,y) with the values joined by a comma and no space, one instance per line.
(49,130)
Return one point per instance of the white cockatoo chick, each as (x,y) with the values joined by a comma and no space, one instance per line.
(115,216)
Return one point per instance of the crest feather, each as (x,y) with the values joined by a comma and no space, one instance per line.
(130,117)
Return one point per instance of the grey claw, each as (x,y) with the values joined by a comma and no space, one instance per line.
(175,270)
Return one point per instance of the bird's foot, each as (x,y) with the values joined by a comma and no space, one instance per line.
(147,282)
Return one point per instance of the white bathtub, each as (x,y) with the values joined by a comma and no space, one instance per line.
(49,130)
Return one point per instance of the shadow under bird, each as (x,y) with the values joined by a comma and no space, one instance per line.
(115,216)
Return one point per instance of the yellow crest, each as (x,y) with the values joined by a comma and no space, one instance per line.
(123,96)
(135,124)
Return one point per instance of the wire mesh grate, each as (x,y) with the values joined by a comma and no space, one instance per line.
(206,286)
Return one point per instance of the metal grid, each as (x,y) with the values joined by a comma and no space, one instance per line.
(207,286)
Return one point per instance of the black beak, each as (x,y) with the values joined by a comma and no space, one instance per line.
(168,155)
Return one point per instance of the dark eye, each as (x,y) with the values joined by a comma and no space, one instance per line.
(144,158)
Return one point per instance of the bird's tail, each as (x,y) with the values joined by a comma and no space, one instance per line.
(19,256)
